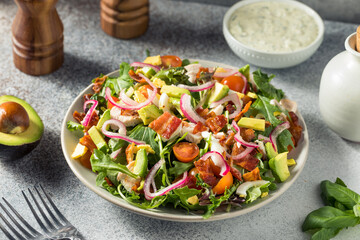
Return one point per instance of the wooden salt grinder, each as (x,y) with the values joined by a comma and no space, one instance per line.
(124,19)
(37,37)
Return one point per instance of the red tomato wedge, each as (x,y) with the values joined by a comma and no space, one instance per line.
(171,61)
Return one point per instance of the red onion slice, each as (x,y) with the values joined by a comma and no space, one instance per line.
(234,98)
(228,72)
(243,154)
(276,132)
(150,178)
(262,137)
(218,160)
(234,125)
(114,154)
(128,101)
(121,134)
(188,111)
(199,88)
(141,64)
(245,83)
(86,120)
(239,139)
(139,105)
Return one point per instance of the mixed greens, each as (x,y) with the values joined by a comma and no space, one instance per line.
(170,132)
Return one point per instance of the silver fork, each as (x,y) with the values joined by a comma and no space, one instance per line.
(57,227)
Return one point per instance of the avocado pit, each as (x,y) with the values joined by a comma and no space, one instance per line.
(13,118)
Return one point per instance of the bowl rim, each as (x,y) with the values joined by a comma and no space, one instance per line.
(311,12)
(302,155)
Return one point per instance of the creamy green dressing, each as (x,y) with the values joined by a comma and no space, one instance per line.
(273,27)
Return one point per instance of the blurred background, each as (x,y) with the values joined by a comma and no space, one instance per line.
(337,10)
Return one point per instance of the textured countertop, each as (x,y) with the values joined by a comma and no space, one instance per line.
(189,30)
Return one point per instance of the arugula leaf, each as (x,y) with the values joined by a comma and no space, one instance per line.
(183,194)
(173,76)
(101,162)
(262,105)
(116,84)
(73,126)
(142,133)
(329,217)
(334,192)
(179,168)
(185,62)
(100,181)
(262,82)
(284,140)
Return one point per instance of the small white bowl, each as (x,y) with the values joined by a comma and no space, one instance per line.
(273,60)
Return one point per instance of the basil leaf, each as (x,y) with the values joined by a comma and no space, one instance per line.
(329,217)
(334,192)
(325,233)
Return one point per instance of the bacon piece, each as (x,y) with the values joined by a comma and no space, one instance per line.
(295,128)
(87,97)
(236,173)
(88,142)
(247,134)
(98,84)
(201,69)
(206,171)
(252,176)
(199,128)
(202,112)
(78,116)
(165,125)
(249,162)
(228,140)
(230,107)
(216,123)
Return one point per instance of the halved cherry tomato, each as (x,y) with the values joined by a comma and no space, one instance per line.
(109,105)
(235,83)
(224,183)
(171,60)
(143,90)
(185,151)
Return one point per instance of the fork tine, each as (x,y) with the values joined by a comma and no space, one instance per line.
(48,209)
(41,211)
(5,231)
(35,214)
(54,206)
(11,228)
(25,232)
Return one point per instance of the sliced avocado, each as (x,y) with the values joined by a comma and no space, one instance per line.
(173,91)
(106,116)
(291,162)
(141,162)
(279,167)
(218,92)
(175,102)
(17,145)
(153,60)
(98,139)
(147,71)
(270,151)
(253,123)
(149,113)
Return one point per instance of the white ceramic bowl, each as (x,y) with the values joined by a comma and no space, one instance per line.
(87,177)
(272,60)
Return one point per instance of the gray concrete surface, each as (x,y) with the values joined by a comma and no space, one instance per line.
(344,10)
(188,30)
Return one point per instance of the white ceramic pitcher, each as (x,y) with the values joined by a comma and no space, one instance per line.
(340,92)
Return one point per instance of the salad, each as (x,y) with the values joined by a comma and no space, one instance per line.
(170,132)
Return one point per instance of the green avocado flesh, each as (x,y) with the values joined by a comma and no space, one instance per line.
(32,134)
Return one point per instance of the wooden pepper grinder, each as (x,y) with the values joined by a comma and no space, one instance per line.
(37,37)
(124,19)
(357,39)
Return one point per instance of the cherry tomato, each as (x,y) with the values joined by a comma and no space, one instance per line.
(235,83)
(185,151)
(224,183)
(109,105)
(171,60)
(143,90)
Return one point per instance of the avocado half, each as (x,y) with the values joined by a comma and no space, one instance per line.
(14,146)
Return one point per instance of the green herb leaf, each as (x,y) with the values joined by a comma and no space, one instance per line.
(173,76)
(179,168)
(263,85)
(116,84)
(142,133)
(334,192)
(262,105)
(73,126)
(329,217)
(325,233)
(101,162)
